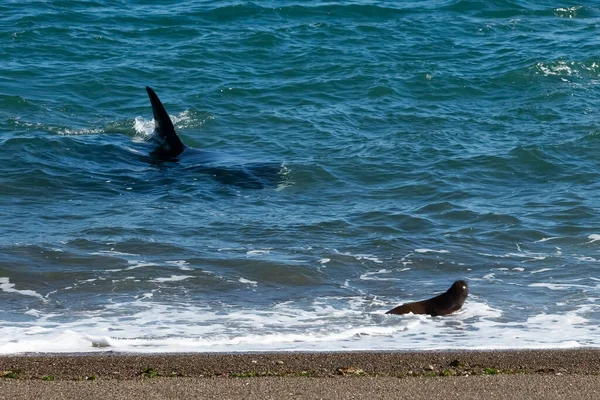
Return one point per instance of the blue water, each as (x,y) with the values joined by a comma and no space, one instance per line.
(416,142)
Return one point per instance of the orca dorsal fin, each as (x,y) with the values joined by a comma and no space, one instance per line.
(170,144)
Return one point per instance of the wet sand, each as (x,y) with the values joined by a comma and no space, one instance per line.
(452,374)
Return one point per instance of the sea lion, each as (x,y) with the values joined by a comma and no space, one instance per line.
(446,303)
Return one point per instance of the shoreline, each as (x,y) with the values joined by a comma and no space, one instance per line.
(131,366)
(426,375)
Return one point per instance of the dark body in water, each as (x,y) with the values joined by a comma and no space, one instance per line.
(446,303)
(224,168)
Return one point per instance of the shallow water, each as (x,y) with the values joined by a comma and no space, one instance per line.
(417,143)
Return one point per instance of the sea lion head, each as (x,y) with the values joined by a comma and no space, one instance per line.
(459,289)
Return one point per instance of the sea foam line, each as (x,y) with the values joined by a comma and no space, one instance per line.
(328,324)
(8,287)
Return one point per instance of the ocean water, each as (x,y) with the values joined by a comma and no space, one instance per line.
(417,143)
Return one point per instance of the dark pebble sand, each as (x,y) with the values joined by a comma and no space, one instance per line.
(448,375)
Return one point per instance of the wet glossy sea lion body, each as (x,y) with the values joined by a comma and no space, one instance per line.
(446,303)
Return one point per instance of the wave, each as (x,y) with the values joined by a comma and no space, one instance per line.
(284,327)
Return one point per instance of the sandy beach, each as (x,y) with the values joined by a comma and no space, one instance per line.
(451,374)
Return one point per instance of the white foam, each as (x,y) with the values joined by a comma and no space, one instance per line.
(593,238)
(182,264)
(50,341)
(541,270)
(359,257)
(546,239)
(494,255)
(568,12)
(145,128)
(112,253)
(33,312)
(431,251)
(375,275)
(560,68)
(590,259)
(523,254)
(323,324)
(8,287)
(258,252)
(557,286)
(253,283)
(133,264)
(76,132)
(172,278)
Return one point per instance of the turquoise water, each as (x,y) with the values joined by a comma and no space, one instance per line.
(419,143)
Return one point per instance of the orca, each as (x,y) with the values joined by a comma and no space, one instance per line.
(170,146)
(224,168)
